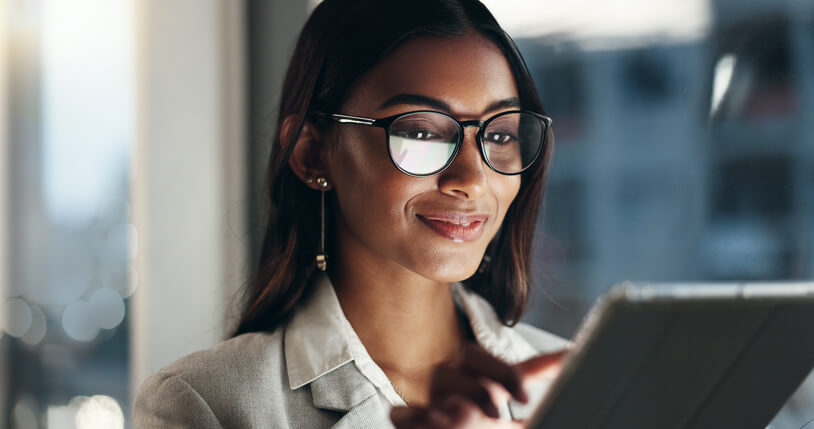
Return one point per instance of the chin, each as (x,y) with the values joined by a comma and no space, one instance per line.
(451,272)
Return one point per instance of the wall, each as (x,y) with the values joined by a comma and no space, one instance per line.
(188,178)
(3,210)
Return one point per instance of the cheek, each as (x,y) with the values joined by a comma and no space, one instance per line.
(358,151)
(506,189)
(354,163)
(368,186)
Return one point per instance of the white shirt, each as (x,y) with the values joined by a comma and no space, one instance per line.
(312,372)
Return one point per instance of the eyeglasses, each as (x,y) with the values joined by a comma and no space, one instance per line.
(425,142)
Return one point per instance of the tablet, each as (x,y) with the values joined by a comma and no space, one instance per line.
(684,356)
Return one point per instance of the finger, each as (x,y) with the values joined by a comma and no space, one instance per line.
(439,419)
(419,417)
(541,367)
(499,393)
(460,410)
(477,361)
(464,413)
(405,417)
(447,381)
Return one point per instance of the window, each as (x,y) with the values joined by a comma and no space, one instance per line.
(70,87)
(690,159)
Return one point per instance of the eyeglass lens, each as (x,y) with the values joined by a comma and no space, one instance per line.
(423,143)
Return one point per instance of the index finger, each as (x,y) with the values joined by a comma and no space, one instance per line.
(478,361)
(540,367)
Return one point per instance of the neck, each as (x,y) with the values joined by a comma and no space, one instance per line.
(407,323)
(385,311)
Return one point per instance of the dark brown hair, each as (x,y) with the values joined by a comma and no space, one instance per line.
(340,42)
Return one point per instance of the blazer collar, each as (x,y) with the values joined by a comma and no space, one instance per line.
(318,338)
(321,347)
(490,332)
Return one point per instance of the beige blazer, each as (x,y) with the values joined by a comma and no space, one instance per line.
(313,372)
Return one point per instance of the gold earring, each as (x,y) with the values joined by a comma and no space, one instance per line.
(322,258)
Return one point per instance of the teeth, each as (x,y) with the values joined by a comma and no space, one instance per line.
(463,223)
(459,224)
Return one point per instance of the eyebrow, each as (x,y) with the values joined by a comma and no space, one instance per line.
(423,100)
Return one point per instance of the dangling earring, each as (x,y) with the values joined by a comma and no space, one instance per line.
(322,263)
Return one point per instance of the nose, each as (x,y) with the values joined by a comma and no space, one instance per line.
(466,176)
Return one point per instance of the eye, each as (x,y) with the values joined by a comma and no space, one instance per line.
(499,138)
(420,134)
(416,133)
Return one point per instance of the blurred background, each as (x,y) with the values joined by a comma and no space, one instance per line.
(134,134)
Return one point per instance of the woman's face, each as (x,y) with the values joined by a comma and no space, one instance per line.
(437,226)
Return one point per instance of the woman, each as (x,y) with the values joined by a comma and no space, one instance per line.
(404,184)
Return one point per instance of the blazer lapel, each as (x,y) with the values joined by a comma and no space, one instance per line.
(324,354)
(341,389)
(346,389)
(369,413)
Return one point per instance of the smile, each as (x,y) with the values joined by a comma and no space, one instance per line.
(456,227)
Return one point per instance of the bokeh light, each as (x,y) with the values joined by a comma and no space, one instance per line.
(18,317)
(83,412)
(78,322)
(107,308)
(39,326)
(23,414)
(98,412)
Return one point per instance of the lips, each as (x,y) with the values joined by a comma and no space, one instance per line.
(457,227)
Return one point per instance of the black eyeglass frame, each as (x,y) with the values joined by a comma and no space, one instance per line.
(389,120)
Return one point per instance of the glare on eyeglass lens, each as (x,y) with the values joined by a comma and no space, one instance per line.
(424,143)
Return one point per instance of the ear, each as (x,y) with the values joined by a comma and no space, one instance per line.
(306,157)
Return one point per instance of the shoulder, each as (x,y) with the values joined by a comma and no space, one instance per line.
(203,389)
(512,343)
(542,341)
(238,357)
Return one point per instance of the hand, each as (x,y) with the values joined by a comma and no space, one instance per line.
(466,393)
